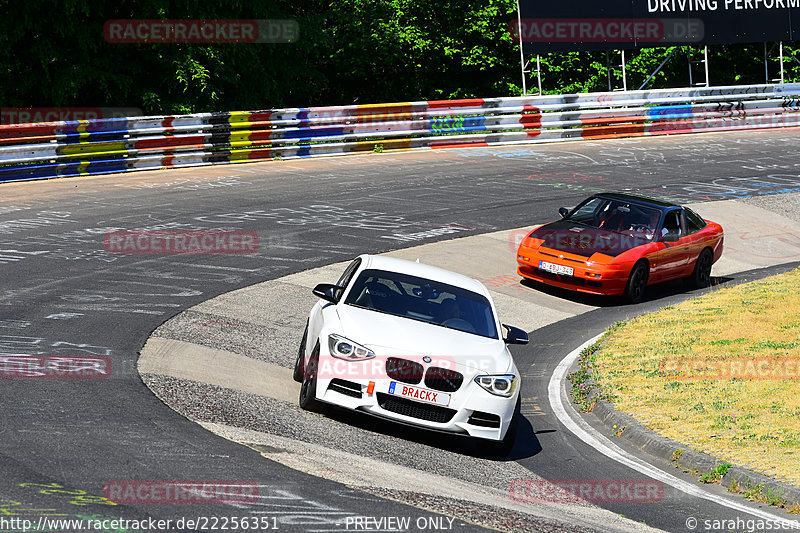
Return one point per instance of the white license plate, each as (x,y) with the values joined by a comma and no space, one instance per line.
(419,394)
(556,269)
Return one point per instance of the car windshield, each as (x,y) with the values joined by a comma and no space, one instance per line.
(618,216)
(424,300)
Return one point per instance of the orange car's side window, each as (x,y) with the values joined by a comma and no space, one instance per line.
(694,222)
(673,223)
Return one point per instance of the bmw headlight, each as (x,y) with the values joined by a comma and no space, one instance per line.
(500,385)
(346,349)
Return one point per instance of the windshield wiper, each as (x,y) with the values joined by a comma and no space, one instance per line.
(581,223)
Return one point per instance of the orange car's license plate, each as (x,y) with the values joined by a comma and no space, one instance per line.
(556,269)
(419,394)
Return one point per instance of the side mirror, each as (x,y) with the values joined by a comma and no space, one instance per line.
(563,211)
(670,237)
(328,292)
(515,335)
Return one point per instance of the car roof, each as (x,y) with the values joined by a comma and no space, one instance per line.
(640,200)
(394,264)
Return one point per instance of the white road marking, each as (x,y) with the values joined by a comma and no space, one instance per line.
(579,155)
(581,429)
(63,316)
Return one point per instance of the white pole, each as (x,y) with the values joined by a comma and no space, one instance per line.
(781,54)
(766,65)
(705,57)
(521,54)
(624,74)
(539,73)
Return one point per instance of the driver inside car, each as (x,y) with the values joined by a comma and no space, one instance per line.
(647,224)
(449,309)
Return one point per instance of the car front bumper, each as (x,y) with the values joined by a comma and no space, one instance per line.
(588,276)
(471,410)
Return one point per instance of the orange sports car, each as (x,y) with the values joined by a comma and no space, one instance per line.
(618,244)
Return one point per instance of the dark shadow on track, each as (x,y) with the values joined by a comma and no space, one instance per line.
(525,445)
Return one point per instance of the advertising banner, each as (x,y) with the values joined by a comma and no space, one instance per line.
(623,24)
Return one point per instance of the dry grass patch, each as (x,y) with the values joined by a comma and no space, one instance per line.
(720,373)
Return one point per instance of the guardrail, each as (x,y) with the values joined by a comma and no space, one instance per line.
(57,149)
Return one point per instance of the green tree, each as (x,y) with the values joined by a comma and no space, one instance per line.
(421,49)
(349,51)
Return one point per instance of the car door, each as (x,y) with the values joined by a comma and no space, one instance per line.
(674,256)
(697,239)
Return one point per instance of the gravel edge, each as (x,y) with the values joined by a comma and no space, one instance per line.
(476,513)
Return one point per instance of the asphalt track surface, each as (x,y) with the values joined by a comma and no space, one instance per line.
(62,294)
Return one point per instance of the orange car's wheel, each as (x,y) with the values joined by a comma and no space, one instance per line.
(637,281)
(701,276)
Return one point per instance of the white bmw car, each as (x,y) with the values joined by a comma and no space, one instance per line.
(415,344)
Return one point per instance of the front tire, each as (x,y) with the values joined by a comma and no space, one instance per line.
(308,387)
(701,276)
(301,353)
(637,281)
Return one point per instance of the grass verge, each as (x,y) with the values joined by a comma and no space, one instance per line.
(719,373)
